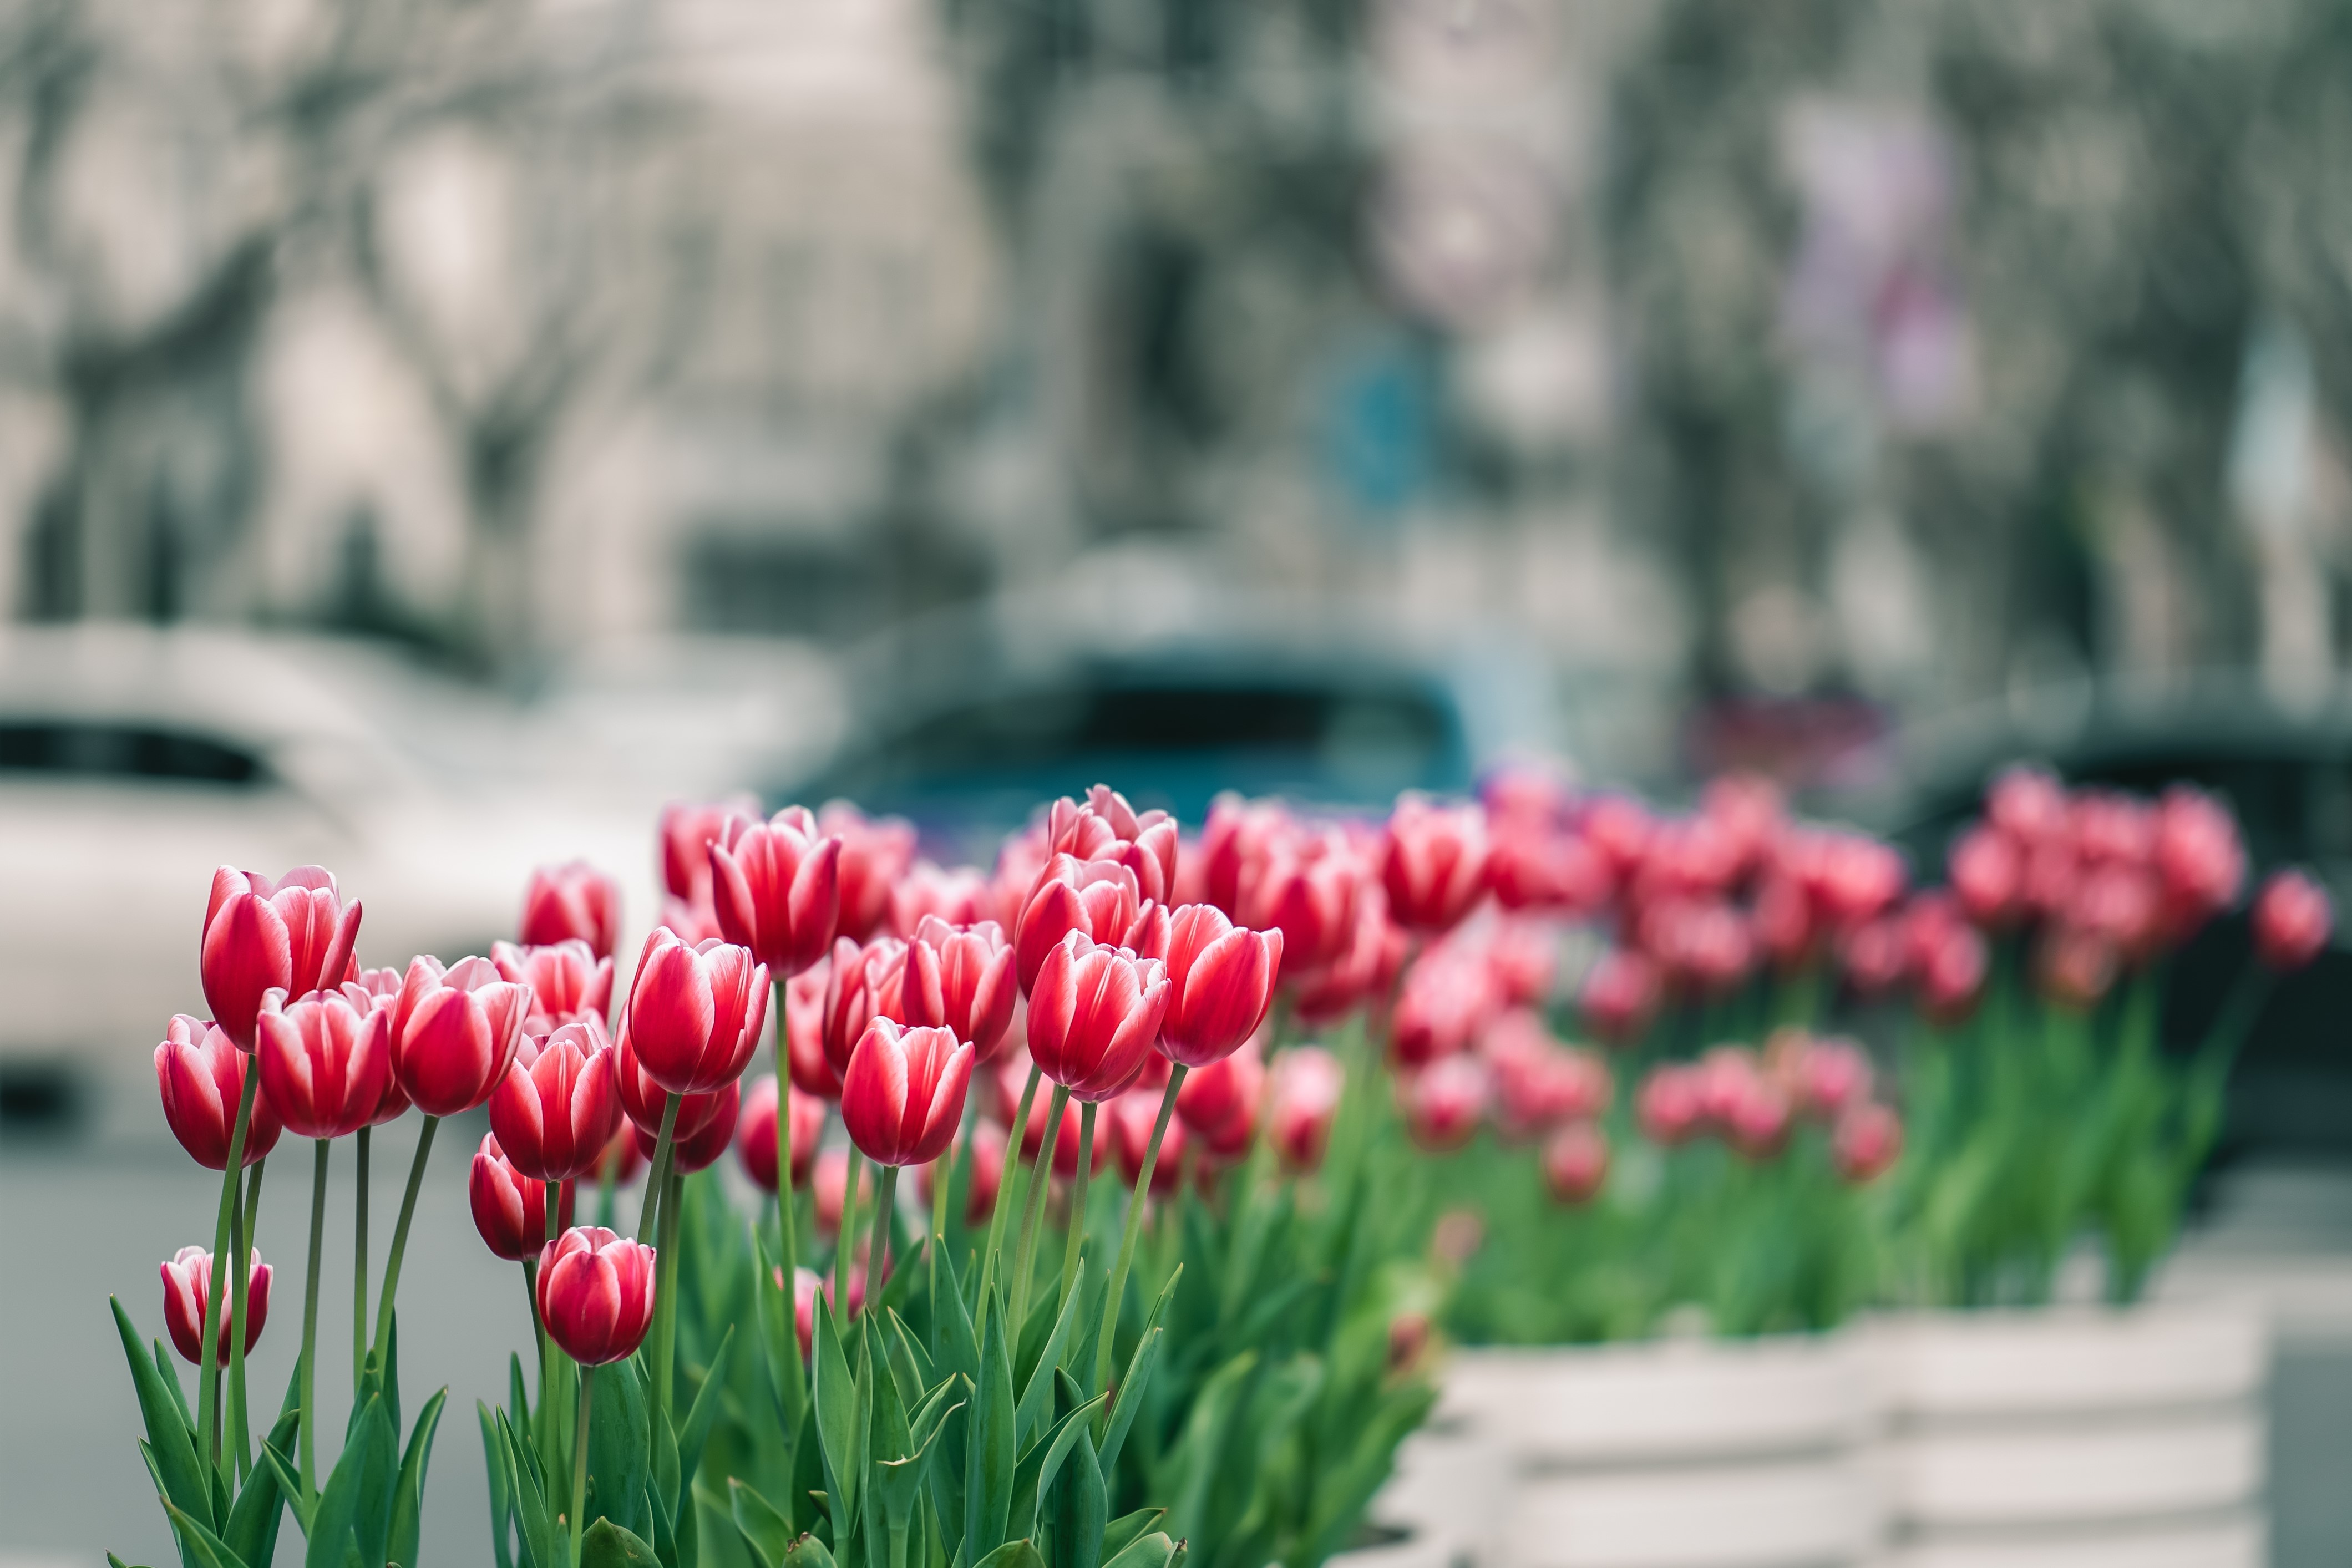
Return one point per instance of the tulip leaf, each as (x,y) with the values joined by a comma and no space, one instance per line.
(840,1424)
(620,1459)
(288,1484)
(779,1333)
(201,1547)
(518,1393)
(699,1418)
(114,1562)
(408,1498)
(543,1545)
(767,1532)
(609,1545)
(252,1531)
(1153,1551)
(808,1552)
(501,1495)
(1043,1463)
(1128,1528)
(1082,1503)
(959,1348)
(1012,1554)
(180,1477)
(1037,1408)
(990,1454)
(356,1503)
(1130,1396)
(908,1363)
(164,1359)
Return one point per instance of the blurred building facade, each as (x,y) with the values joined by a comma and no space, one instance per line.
(1780,355)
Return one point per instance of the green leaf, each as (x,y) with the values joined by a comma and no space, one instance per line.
(959,1346)
(1037,1399)
(204,1549)
(1082,1505)
(808,1552)
(1038,1468)
(114,1562)
(766,1529)
(990,1454)
(620,1450)
(840,1423)
(408,1497)
(1153,1551)
(518,1393)
(167,1366)
(1012,1554)
(1130,1396)
(699,1417)
(544,1545)
(502,1494)
(252,1531)
(185,1483)
(608,1545)
(1128,1528)
(909,1364)
(355,1506)
(808,1475)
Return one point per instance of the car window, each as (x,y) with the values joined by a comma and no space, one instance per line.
(85,748)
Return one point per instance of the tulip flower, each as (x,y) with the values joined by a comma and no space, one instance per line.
(830,1186)
(804,1027)
(1448,997)
(806,1289)
(692,921)
(645,1101)
(2029,804)
(1621,996)
(1757,1121)
(1235,842)
(325,1062)
(1854,878)
(2109,826)
(1875,957)
(1133,1116)
(1219,1102)
(1523,955)
(961,980)
(1099,900)
(1781,919)
(1830,1076)
(701,1149)
(1952,978)
(696,1013)
(1550,869)
(1868,1140)
(1620,829)
(1107,828)
(1148,937)
(2124,904)
(686,833)
(985,1171)
(862,984)
(1539,1083)
(454,1032)
(1669,1107)
(187,1291)
(560,1103)
(902,1098)
(1987,875)
(568,902)
(568,982)
(1302,1100)
(1444,1101)
(1365,971)
(1433,862)
(776,888)
(756,1140)
(200,1074)
(1307,887)
(511,1208)
(1219,984)
(960,897)
(1726,1076)
(2294,919)
(875,853)
(1094,1013)
(2076,965)
(595,1294)
(293,935)
(1575,1163)
(2198,855)
(2051,873)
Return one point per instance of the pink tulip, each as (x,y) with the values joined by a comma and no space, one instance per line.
(294,936)
(1952,978)
(776,888)
(830,1186)
(687,833)
(1831,1075)
(1620,829)
(2294,919)
(1433,862)
(2199,856)
(1621,996)
(1868,1140)
(200,1075)
(574,900)
(645,1101)
(1302,1100)
(1234,844)
(509,1208)
(1306,886)
(1097,899)
(1575,1163)
(1219,1102)
(756,1142)
(1670,1106)
(696,1013)
(862,984)
(1447,1001)
(326,1061)
(960,897)
(875,853)
(454,1032)
(596,1294)
(1094,1014)
(1444,1101)
(568,982)
(699,1150)
(1988,874)
(187,1292)
(1219,984)
(1107,828)
(559,1104)
(902,1098)
(958,979)
(2028,804)
(1365,971)
(804,1033)
(985,1171)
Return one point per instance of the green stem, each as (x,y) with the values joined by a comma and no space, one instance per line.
(552,1195)
(208,1374)
(877,1242)
(360,1269)
(657,1176)
(310,1322)
(845,1235)
(666,1291)
(1115,1298)
(787,1223)
(400,1238)
(1077,1234)
(1006,1183)
(579,1460)
(1025,1260)
(239,1281)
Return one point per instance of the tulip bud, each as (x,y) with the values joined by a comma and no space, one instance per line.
(1098,899)
(831,1185)
(595,1294)
(1094,1014)
(1363,973)
(805,1032)
(1219,984)
(1133,1116)
(1854,879)
(2294,919)
(875,853)
(1868,1139)
(687,833)
(1306,885)
(294,935)
(1669,1106)
(1831,1075)
(1107,828)
(696,1013)
(200,1075)
(902,1098)
(187,1292)
(699,1150)
(1621,995)
(862,984)
(1620,829)
(1433,862)
(2076,965)
(1302,1099)
(1447,1001)
(1953,976)
(1444,1101)
(1219,1102)
(960,980)
(1757,1120)
(559,1104)
(757,1140)
(645,1101)
(1876,957)
(2027,803)
(454,1032)
(509,1208)
(568,982)
(983,1171)
(568,902)
(806,1287)
(959,897)
(325,1062)
(1575,1163)
(776,889)
(1988,874)
(1781,920)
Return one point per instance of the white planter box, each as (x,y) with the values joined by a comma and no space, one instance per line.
(2074,1437)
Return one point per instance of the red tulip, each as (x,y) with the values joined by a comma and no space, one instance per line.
(1094,1014)
(1223,1096)
(326,1061)
(1306,886)
(804,1027)
(560,1103)
(200,1075)
(1148,937)
(862,984)
(568,982)
(874,855)
(1987,875)
(1131,1118)
(2294,919)
(1746,809)
(1433,862)
(985,1171)
(1575,1163)
(1687,858)
(1447,999)
(596,1294)
(2029,804)
(1868,1139)
(378,990)
(571,901)
(687,833)
(509,1208)
(2076,965)
(776,889)
(696,1013)
(1854,878)
(1830,1076)
(1107,828)
(1219,984)
(960,897)
(187,1291)
(1876,957)
(1781,919)
(1669,1106)
(2198,855)
(2121,904)
(831,1183)
(645,1101)
(1302,1099)
(1952,976)
(1066,1135)
(1444,1101)
(293,935)
(1098,899)
(454,1032)
(806,1287)
(1620,829)
(1234,844)
(756,1142)
(1551,869)
(1710,945)
(1621,995)
(697,1150)
(1757,1120)
(1365,971)
(902,1098)
(961,980)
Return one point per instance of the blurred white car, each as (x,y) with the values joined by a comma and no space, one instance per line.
(133,761)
